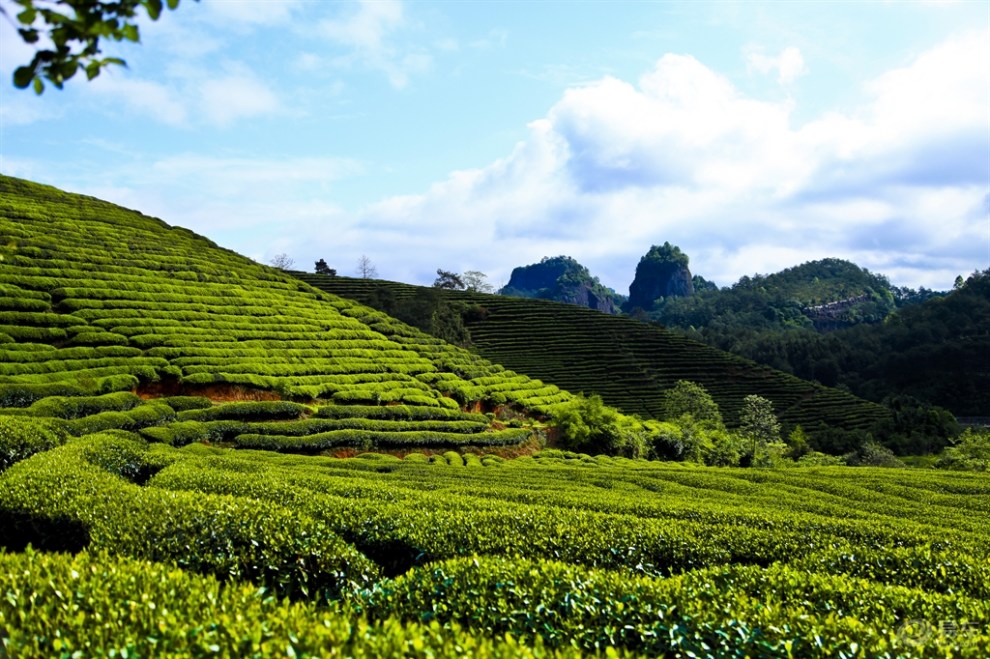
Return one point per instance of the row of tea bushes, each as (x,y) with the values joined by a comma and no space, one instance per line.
(85,494)
(99,604)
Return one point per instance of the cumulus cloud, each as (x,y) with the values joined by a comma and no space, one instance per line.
(186,97)
(895,184)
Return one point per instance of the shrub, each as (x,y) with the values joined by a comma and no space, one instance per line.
(22,437)
(969,452)
(97,604)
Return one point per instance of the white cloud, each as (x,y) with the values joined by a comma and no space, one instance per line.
(251,12)
(789,65)
(365,29)
(368,32)
(685,156)
(142,97)
(225,100)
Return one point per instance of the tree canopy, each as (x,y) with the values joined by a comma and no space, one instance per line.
(67,35)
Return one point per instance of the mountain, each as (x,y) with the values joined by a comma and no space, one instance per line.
(661,274)
(561,279)
(630,364)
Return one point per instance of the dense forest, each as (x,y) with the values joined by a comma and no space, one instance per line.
(840,325)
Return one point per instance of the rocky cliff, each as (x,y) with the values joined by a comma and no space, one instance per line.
(661,273)
(561,279)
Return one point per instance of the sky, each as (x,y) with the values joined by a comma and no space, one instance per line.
(486,135)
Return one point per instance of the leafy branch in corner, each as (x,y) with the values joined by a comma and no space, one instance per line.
(67,35)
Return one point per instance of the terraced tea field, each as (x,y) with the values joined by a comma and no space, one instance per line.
(113,320)
(628,363)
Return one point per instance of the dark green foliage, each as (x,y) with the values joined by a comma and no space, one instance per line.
(916,428)
(448,280)
(969,452)
(931,347)
(323,269)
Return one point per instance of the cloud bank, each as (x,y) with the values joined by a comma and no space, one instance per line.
(899,184)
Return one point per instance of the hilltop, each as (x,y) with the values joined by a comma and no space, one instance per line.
(560,279)
(834,322)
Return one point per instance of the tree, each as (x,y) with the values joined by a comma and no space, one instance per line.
(691,399)
(366,268)
(760,426)
(476,281)
(448,280)
(323,269)
(587,424)
(67,34)
(282,261)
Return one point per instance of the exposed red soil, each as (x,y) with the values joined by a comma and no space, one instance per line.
(217,392)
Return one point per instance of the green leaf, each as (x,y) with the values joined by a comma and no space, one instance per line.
(154,8)
(39,86)
(23,76)
(27,16)
(28,35)
(130,32)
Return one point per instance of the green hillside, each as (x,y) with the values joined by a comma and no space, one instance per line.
(111,319)
(162,398)
(629,363)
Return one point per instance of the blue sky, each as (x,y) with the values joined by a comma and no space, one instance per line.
(486,135)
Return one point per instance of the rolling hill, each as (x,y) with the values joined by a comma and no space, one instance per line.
(628,363)
(111,319)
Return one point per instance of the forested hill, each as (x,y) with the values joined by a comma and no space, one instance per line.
(629,363)
(853,330)
(823,295)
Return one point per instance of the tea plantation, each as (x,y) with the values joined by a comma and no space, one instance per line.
(628,363)
(169,416)
(113,320)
